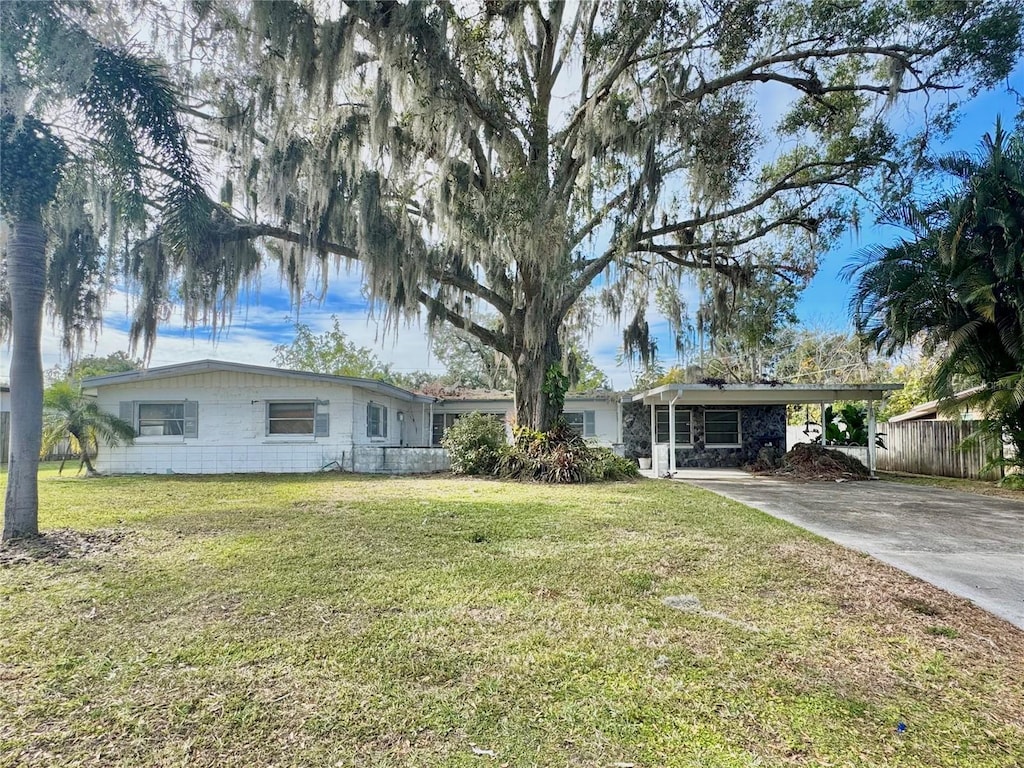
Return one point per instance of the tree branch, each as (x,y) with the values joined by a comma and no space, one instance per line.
(491,338)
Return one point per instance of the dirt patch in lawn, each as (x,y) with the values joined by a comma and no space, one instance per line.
(60,544)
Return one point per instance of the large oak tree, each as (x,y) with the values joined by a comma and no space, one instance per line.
(508,158)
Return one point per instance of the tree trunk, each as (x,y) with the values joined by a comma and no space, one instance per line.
(90,470)
(532,362)
(26,276)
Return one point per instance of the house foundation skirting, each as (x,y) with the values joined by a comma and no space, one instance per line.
(185,459)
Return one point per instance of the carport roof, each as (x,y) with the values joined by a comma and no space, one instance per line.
(762,394)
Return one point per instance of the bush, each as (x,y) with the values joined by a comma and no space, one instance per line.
(474,443)
(610,466)
(1014,482)
(560,456)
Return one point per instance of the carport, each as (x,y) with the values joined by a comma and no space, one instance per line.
(738,396)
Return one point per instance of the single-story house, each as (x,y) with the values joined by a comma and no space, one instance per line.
(930,411)
(210,416)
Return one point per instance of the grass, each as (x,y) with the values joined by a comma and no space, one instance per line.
(339,620)
(967,485)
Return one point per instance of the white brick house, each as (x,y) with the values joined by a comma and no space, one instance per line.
(213,417)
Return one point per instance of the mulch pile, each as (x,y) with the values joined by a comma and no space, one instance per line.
(59,544)
(811,461)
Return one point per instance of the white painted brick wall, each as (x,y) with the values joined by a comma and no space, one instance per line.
(232,425)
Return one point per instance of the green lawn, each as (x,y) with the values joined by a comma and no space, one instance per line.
(336,620)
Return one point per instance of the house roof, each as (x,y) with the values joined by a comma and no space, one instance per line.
(497,396)
(931,408)
(762,394)
(209,366)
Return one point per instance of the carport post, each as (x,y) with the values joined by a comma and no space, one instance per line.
(872,437)
(672,434)
(654,452)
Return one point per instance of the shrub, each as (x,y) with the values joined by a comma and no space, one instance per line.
(474,443)
(610,466)
(1014,482)
(560,456)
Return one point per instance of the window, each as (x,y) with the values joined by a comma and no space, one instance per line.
(684,434)
(581,422)
(376,420)
(442,421)
(721,427)
(161,419)
(291,418)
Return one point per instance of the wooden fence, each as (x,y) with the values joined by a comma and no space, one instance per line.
(933,448)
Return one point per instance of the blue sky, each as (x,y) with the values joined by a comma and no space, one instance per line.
(826,299)
(267,318)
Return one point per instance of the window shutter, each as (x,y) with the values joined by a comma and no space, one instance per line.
(322,420)
(383,421)
(589,425)
(369,419)
(127,411)
(191,426)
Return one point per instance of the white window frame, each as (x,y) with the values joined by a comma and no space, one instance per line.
(679,442)
(382,418)
(739,428)
(269,419)
(138,419)
(587,425)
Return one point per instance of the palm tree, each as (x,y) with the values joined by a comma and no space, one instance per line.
(129,130)
(958,285)
(71,417)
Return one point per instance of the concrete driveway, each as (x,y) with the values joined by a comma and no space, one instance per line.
(972,546)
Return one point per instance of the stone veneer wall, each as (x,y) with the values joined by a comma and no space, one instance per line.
(636,430)
(760,425)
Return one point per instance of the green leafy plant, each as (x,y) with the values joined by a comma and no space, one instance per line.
(846,426)
(78,420)
(556,384)
(608,465)
(474,443)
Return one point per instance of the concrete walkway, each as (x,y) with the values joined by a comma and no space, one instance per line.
(972,546)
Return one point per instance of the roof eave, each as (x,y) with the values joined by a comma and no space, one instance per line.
(203,366)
